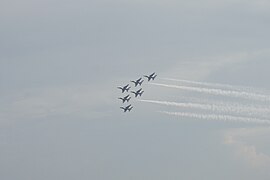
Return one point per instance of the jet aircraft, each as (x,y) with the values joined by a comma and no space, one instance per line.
(151,76)
(125,88)
(138,82)
(127,108)
(139,92)
(125,99)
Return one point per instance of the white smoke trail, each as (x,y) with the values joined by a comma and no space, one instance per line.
(225,108)
(215,85)
(229,93)
(184,105)
(250,106)
(218,117)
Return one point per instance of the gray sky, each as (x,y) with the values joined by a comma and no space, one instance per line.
(60,64)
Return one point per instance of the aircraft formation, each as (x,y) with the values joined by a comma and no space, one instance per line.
(137,93)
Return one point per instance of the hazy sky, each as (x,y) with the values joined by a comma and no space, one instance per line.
(60,64)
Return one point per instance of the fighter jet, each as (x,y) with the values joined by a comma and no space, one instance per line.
(127,108)
(139,92)
(138,82)
(125,99)
(125,88)
(151,76)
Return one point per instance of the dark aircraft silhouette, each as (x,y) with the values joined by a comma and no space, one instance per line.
(139,92)
(125,88)
(127,108)
(138,82)
(125,99)
(151,76)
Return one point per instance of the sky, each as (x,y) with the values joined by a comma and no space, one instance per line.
(60,64)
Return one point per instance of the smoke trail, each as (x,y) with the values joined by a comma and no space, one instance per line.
(184,105)
(225,108)
(218,117)
(215,85)
(229,93)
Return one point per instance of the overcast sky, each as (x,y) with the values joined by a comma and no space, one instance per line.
(60,64)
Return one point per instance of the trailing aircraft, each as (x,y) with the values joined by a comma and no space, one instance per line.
(125,99)
(125,88)
(151,76)
(139,92)
(138,82)
(127,108)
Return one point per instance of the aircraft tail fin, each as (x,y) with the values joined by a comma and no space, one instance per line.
(123,100)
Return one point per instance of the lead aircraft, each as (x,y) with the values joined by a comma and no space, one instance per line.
(151,76)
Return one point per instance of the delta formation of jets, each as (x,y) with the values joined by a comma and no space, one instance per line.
(136,93)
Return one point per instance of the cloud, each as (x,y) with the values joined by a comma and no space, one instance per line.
(239,139)
(251,72)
